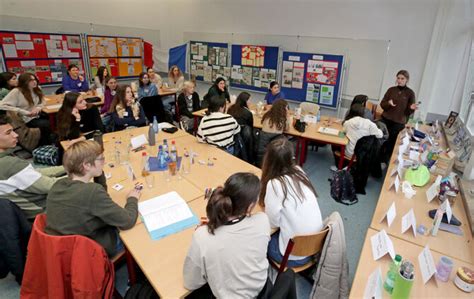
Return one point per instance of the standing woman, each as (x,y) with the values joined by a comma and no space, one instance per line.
(76,117)
(240,110)
(73,81)
(398,104)
(227,257)
(145,87)
(289,199)
(8,81)
(28,100)
(99,79)
(125,111)
(219,88)
(188,102)
(274,93)
(175,79)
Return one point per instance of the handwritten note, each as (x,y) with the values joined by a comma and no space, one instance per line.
(381,245)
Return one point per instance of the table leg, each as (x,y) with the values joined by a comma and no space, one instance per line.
(196,119)
(52,121)
(303,151)
(341,159)
(131,267)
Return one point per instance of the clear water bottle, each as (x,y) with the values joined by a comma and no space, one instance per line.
(392,274)
(318,116)
(155,125)
(117,152)
(162,162)
(166,151)
(173,152)
(151,136)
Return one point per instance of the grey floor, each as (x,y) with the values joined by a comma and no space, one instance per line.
(356,220)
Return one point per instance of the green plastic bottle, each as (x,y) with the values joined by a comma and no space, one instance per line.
(392,273)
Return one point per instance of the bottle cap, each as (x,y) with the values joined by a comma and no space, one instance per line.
(398,258)
(172,142)
(160,147)
(143,154)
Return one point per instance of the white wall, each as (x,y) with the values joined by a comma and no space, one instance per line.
(407,23)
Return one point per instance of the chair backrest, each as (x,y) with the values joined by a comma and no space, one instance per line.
(309,108)
(310,244)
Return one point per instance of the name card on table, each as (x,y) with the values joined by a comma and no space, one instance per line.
(395,185)
(446,207)
(381,245)
(432,191)
(138,141)
(373,289)
(427,265)
(409,220)
(390,214)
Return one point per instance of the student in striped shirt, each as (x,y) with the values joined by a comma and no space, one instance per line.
(218,128)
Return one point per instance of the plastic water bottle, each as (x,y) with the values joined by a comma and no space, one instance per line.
(145,166)
(161,158)
(173,152)
(151,135)
(117,152)
(166,149)
(392,274)
(155,125)
(318,116)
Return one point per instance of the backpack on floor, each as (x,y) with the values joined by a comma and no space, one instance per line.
(342,187)
(141,290)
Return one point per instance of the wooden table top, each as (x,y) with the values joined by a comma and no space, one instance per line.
(54,101)
(408,251)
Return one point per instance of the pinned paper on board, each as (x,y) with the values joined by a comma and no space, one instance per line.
(390,214)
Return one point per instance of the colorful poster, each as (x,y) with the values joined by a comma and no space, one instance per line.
(110,63)
(247,76)
(253,56)
(324,72)
(327,92)
(298,75)
(312,92)
(100,46)
(287,74)
(236,74)
(129,47)
(129,67)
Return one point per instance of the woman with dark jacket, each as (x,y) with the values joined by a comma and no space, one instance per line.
(217,89)
(188,102)
(240,110)
(125,111)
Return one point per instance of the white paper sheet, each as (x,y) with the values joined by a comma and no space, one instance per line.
(397,183)
(427,265)
(25,45)
(381,245)
(10,50)
(390,214)
(431,192)
(138,141)
(446,207)
(409,220)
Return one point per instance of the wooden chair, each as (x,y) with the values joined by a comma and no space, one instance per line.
(302,246)
(351,161)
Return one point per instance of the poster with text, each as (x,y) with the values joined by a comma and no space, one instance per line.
(298,75)
(100,46)
(253,56)
(327,92)
(312,92)
(129,67)
(129,47)
(324,72)
(287,74)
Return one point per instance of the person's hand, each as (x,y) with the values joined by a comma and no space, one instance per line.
(413,106)
(76,113)
(81,78)
(391,103)
(135,193)
(35,111)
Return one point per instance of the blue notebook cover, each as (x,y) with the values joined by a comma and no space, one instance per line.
(173,228)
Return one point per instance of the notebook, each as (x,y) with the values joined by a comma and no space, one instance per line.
(328,131)
(166,214)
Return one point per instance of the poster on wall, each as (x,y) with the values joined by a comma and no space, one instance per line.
(312,92)
(298,75)
(101,46)
(320,71)
(209,60)
(327,92)
(253,56)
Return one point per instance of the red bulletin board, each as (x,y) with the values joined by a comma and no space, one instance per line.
(45,54)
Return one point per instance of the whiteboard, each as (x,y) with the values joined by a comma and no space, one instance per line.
(365,60)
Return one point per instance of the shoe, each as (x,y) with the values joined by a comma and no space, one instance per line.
(333,168)
(383,166)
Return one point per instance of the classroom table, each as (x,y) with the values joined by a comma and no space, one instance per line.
(449,244)
(409,251)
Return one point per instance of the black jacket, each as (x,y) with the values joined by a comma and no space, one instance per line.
(183,107)
(367,152)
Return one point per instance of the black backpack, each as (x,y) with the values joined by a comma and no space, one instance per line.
(342,187)
(141,290)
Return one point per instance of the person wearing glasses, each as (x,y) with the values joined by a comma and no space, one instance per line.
(78,206)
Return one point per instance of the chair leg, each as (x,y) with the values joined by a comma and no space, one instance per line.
(132,272)
(284,261)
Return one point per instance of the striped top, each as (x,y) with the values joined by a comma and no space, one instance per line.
(218,129)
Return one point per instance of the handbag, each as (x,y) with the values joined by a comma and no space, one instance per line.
(300,126)
(46,154)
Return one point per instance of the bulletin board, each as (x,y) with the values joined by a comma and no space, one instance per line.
(123,56)
(209,60)
(253,67)
(47,55)
(312,77)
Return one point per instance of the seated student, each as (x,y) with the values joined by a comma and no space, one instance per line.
(356,127)
(362,99)
(175,79)
(188,102)
(77,206)
(276,119)
(27,99)
(109,93)
(240,110)
(219,88)
(229,252)
(154,78)
(8,81)
(218,128)
(125,111)
(19,181)
(100,77)
(145,87)
(274,93)
(289,199)
(76,117)
(72,81)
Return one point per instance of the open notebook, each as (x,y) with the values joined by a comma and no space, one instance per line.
(328,131)
(166,214)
